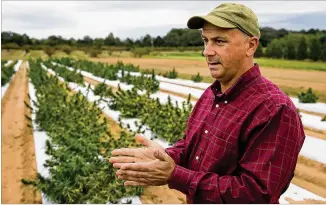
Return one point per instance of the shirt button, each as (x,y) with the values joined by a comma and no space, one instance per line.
(217,105)
(206,131)
(225,102)
(197,158)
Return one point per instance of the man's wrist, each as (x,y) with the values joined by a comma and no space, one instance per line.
(180,179)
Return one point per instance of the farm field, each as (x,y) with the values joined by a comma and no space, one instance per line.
(292,81)
(292,77)
(27,143)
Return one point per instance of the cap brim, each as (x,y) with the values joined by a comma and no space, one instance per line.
(197,22)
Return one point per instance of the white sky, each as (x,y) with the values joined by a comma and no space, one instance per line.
(137,18)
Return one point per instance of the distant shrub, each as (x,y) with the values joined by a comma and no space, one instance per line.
(49,51)
(10,46)
(94,53)
(171,74)
(67,49)
(197,78)
(308,97)
(148,71)
(27,48)
(324,118)
(139,52)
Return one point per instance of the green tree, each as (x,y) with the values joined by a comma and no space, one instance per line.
(98,42)
(129,43)
(259,51)
(72,42)
(158,41)
(190,38)
(172,39)
(110,40)
(302,49)
(323,53)
(289,50)
(146,41)
(315,49)
(87,40)
(274,49)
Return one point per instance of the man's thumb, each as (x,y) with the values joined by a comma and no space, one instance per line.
(160,155)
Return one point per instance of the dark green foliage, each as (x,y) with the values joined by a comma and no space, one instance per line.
(7,72)
(315,49)
(302,49)
(69,76)
(308,97)
(171,74)
(197,78)
(259,51)
(79,145)
(142,82)
(148,83)
(290,52)
(274,49)
(103,90)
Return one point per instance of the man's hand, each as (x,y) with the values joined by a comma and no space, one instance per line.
(151,173)
(143,166)
(132,155)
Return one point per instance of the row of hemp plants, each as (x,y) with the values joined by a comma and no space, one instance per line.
(79,144)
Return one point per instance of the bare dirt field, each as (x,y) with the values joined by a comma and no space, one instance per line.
(18,152)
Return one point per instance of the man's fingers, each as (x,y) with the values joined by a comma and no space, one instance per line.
(124,152)
(136,174)
(130,178)
(143,167)
(133,183)
(143,140)
(119,165)
(122,159)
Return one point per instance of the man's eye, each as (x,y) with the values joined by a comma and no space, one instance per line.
(219,41)
(205,40)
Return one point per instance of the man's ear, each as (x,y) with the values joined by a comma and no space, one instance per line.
(252,46)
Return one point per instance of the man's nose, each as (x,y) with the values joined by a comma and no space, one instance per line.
(208,51)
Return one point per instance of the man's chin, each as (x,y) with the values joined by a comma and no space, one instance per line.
(216,74)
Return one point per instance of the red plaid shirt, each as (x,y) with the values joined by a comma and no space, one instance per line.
(240,146)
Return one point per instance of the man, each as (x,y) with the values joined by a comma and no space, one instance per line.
(243,136)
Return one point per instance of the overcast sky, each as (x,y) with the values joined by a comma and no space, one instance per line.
(134,19)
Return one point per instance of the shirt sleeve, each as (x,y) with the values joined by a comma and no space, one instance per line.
(177,152)
(264,170)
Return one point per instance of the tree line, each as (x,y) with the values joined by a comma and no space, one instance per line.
(274,43)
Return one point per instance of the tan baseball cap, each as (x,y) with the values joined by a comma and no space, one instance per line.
(229,15)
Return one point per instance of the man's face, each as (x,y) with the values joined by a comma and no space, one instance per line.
(225,51)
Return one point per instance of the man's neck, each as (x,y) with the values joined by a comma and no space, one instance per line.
(226,85)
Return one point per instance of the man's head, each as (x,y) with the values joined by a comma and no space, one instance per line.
(231,35)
